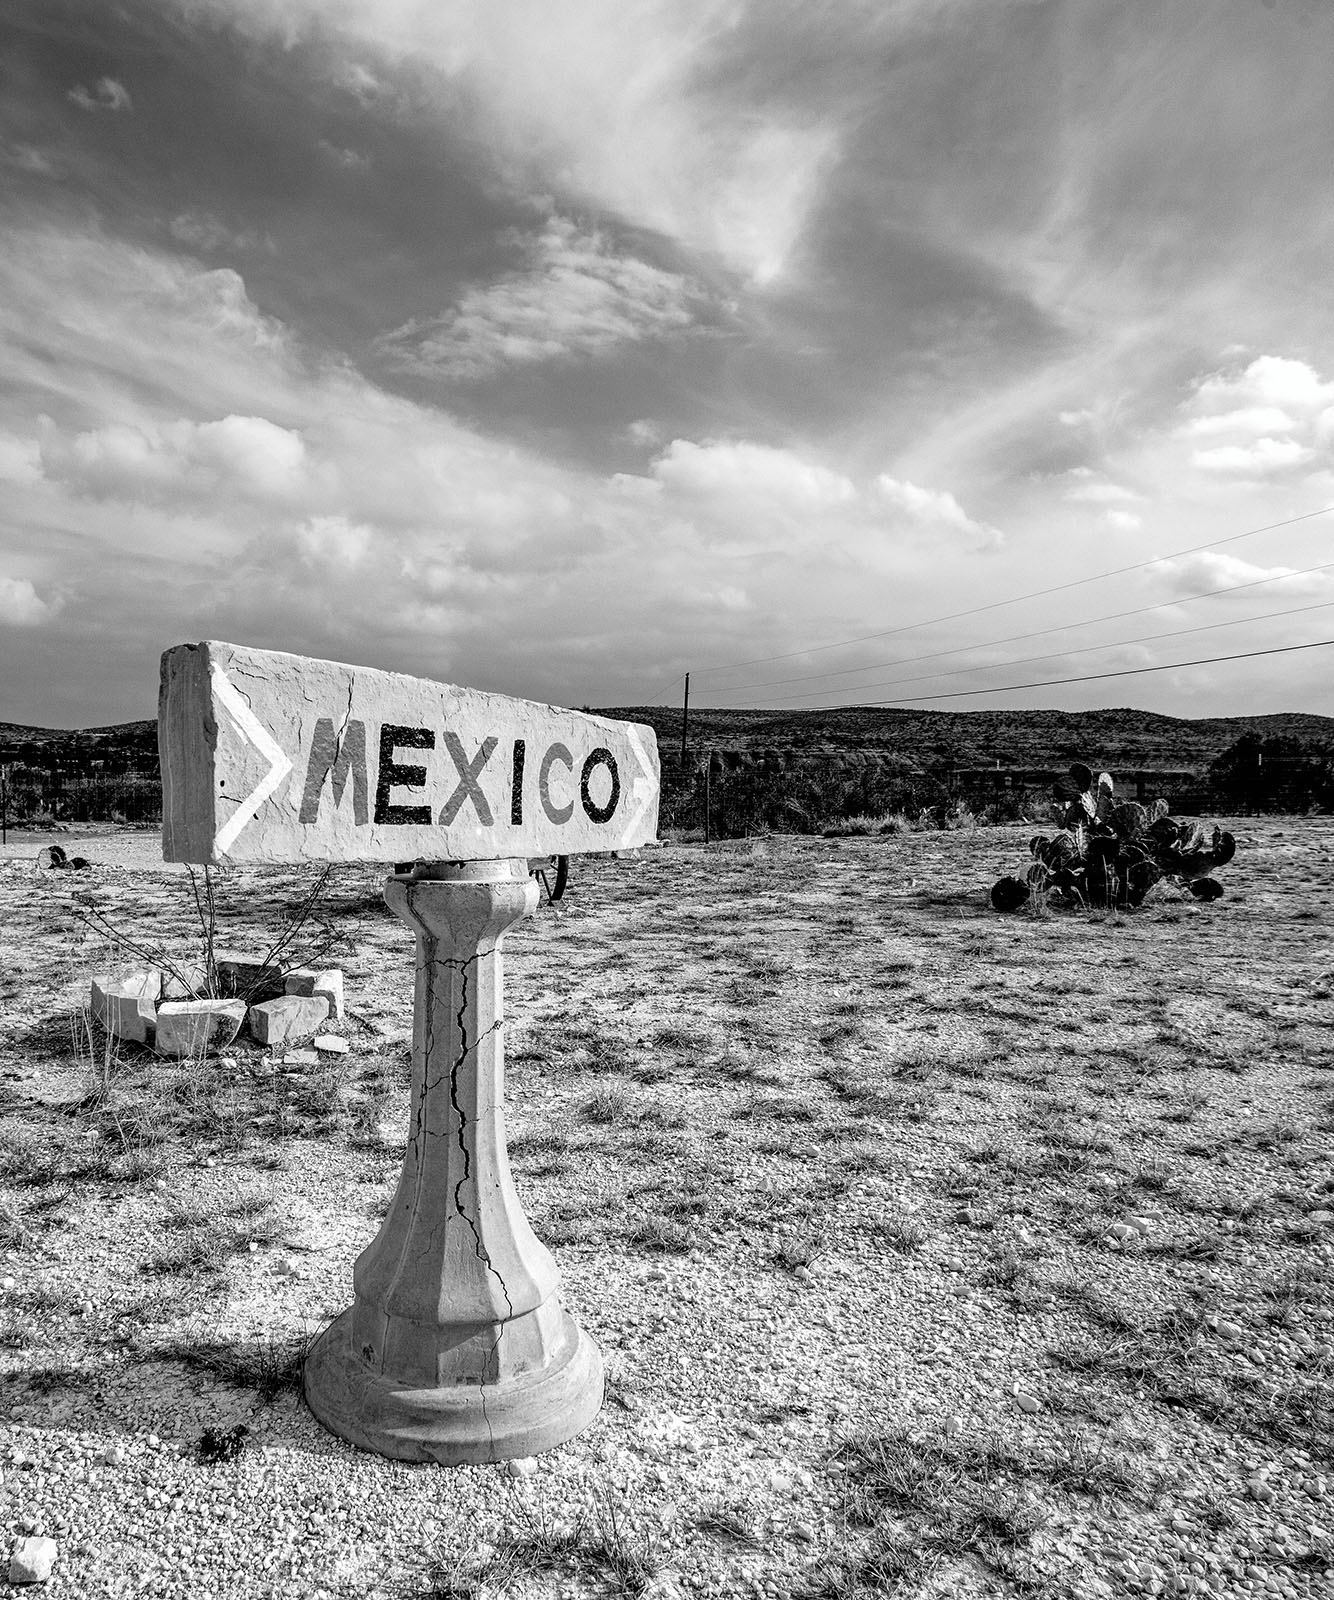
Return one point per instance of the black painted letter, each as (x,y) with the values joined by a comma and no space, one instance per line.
(341,758)
(600,758)
(468,786)
(394,773)
(516,787)
(555,813)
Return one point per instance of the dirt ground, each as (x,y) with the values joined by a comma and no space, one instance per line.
(931,1252)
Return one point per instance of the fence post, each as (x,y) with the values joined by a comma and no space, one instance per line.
(708,794)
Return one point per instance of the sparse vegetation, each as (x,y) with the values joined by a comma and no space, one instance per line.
(819,1098)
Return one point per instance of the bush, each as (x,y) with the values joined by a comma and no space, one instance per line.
(776,792)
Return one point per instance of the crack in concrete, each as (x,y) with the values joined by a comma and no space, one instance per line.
(474,1224)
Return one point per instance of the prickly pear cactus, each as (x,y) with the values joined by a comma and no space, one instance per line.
(1111,852)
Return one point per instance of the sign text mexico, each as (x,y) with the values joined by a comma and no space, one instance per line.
(274,757)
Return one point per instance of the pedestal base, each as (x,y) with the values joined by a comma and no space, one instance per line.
(459,1424)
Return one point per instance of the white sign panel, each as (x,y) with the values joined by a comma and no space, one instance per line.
(274,757)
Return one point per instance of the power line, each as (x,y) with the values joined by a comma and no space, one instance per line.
(1015,638)
(1093,677)
(1021,661)
(653,698)
(995,605)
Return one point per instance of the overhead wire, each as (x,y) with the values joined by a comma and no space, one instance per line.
(1015,638)
(1054,655)
(1034,594)
(1094,677)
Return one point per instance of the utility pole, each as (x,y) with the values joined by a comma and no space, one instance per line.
(4,805)
(685,719)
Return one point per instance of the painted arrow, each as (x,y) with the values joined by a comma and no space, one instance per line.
(253,731)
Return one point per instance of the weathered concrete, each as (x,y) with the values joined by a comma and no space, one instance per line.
(274,757)
(198,1027)
(457,1347)
(327,982)
(127,1006)
(291,1019)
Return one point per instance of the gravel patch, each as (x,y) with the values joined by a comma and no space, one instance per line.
(1002,1244)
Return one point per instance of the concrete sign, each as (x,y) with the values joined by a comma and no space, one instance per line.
(274,757)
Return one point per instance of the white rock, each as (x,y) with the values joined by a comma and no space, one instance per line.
(292,1019)
(331,1044)
(1027,1402)
(32,1560)
(127,1007)
(329,983)
(521,1467)
(197,1027)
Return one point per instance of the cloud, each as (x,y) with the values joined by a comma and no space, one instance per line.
(935,506)
(108,96)
(1271,413)
(644,431)
(1100,494)
(1213,569)
(1259,459)
(1270,380)
(750,471)
(203,231)
(286,500)
(1122,521)
(350,160)
(27,158)
(250,455)
(1249,419)
(21,606)
(20,460)
(575,297)
(625,103)
(322,539)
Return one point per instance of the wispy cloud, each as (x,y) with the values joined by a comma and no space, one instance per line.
(622,104)
(349,160)
(1101,494)
(109,95)
(21,606)
(575,296)
(28,158)
(202,230)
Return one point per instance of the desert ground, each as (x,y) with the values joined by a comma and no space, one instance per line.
(932,1252)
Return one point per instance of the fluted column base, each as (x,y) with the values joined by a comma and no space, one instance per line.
(457,1347)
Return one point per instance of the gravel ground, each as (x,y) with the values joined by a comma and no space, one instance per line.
(826,1152)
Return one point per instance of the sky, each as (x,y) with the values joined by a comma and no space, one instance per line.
(559,349)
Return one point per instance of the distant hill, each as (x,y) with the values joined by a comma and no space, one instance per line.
(1122,738)
(98,774)
(122,734)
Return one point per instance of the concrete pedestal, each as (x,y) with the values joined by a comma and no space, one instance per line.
(457,1347)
